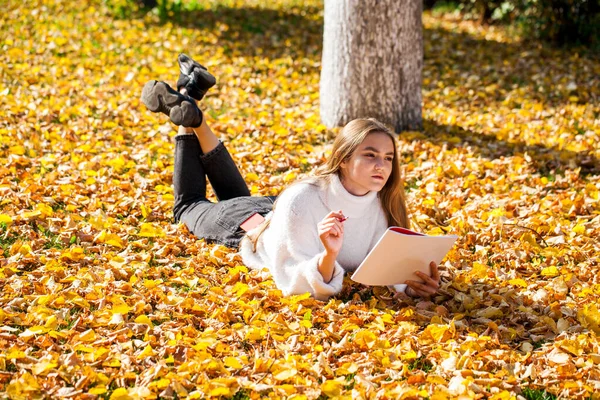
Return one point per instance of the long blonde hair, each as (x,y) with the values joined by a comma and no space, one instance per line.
(392,197)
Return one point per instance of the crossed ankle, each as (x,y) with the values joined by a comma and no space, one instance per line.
(182,131)
(184,92)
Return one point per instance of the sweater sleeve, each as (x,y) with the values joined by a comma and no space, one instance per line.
(295,250)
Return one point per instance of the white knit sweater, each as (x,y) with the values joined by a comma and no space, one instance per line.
(290,247)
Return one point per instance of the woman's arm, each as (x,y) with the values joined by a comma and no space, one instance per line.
(292,250)
(331,235)
(326,266)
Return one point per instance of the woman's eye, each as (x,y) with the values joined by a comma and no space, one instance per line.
(390,159)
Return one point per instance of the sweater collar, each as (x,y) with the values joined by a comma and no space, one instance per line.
(338,198)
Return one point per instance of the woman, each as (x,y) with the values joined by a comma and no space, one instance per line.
(320,228)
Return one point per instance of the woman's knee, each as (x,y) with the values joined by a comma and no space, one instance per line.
(178,208)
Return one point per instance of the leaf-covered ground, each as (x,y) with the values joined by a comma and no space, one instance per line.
(103,296)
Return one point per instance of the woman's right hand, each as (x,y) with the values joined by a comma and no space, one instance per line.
(331,232)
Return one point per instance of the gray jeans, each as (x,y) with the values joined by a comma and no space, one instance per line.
(216,222)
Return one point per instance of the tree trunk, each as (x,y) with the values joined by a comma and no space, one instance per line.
(372,62)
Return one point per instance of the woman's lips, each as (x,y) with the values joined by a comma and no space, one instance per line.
(377,177)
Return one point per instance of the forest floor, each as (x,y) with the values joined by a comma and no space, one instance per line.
(103,296)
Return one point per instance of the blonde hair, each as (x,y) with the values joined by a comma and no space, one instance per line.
(392,196)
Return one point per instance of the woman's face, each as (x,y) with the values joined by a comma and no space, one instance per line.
(370,166)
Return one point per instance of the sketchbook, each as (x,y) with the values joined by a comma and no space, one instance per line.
(399,254)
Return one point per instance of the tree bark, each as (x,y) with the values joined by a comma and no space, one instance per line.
(372,62)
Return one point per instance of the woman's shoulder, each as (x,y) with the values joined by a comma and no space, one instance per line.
(301,194)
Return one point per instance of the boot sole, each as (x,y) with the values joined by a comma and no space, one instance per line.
(159,97)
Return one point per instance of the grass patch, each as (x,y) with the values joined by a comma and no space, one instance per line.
(537,394)
(422,364)
(241,394)
(7,239)
(445,7)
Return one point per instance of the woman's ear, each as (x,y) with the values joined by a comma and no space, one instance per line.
(344,163)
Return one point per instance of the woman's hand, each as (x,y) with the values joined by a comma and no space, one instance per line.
(428,287)
(331,232)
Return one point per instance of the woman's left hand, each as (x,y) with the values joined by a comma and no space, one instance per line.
(428,287)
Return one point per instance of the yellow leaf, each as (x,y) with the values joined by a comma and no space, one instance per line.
(98,390)
(21,387)
(332,388)
(479,270)
(15,354)
(220,391)
(518,282)
(289,177)
(27,215)
(285,374)
(490,312)
(503,395)
(6,219)
(251,177)
(109,238)
(498,212)
(51,322)
(152,283)
(289,390)
(232,362)
(147,352)
(436,332)
(280,131)
(256,333)
(550,271)
(143,319)
(144,211)
(112,362)
(347,368)
(99,352)
(117,163)
(162,383)
(87,336)
(120,394)
(150,230)
(589,317)
(528,238)
(579,229)
(298,297)
(365,339)
(24,249)
(119,306)
(41,367)
(45,209)
(84,348)
(306,324)
(18,150)
(571,346)
(73,254)
(34,330)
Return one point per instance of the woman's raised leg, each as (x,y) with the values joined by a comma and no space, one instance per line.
(223,174)
(189,177)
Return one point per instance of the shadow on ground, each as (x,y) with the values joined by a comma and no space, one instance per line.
(544,159)
(266,32)
(453,59)
(459,70)
(502,317)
